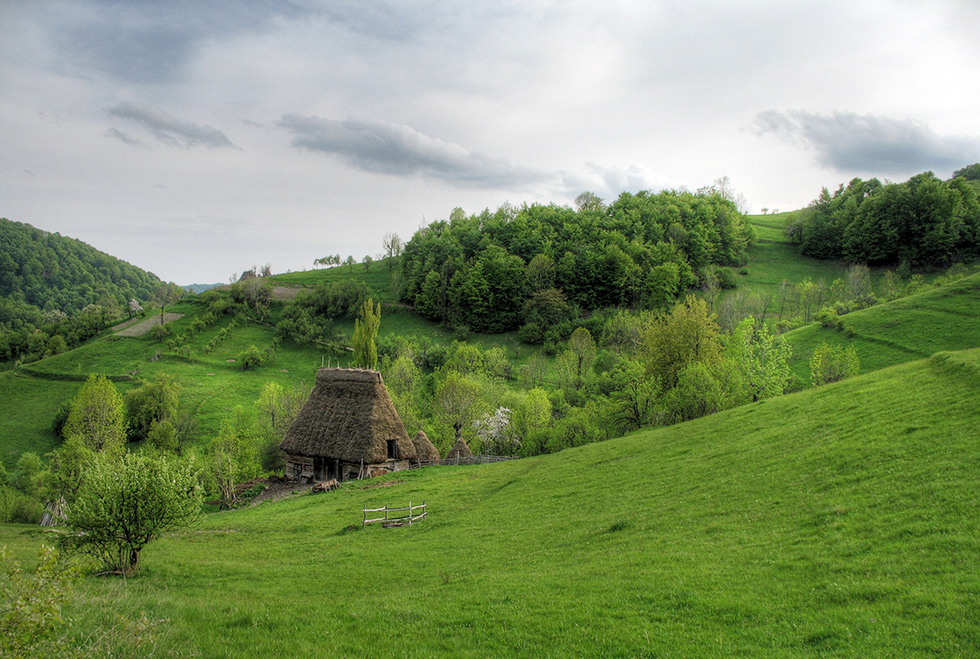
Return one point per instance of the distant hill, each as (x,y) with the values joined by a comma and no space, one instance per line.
(200,288)
(50,272)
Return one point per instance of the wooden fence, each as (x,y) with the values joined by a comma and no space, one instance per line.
(464,460)
(400,520)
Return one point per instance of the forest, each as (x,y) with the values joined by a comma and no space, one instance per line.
(530,268)
(921,223)
(56,292)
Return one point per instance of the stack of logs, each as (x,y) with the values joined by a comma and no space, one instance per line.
(326,486)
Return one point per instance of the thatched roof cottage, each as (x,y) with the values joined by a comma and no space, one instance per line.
(348,428)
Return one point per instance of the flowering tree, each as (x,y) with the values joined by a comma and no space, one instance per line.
(496,433)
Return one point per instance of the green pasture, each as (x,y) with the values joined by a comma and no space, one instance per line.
(773,259)
(29,407)
(913,327)
(837,522)
(378,278)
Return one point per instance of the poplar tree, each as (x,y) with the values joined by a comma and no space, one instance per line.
(365,334)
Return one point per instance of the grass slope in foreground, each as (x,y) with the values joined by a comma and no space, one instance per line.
(836,522)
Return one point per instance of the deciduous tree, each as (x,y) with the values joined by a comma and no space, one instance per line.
(125,503)
(96,416)
(365,334)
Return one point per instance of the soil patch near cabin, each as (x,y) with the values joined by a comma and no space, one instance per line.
(145,326)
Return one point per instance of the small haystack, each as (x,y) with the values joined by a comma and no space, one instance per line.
(348,429)
(459,450)
(425,451)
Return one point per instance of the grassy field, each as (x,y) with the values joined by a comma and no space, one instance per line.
(773,259)
(944,318)
(837,522)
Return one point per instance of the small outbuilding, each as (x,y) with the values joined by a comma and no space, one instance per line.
(425,450)
(348,429)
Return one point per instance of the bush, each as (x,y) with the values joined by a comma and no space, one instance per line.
(18,508)
(828,318)
(159,332)
(250,358)
(726,278)
(125,503)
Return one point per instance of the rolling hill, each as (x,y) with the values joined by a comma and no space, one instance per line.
(840,521)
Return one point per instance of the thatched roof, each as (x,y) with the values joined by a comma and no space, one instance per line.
(349,416)
(461,449)
(424,449)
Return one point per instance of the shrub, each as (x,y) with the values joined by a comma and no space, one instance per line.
(159,332)
(828,318)
(125,503)
(250,358)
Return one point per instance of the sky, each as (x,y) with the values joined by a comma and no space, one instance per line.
(196,139)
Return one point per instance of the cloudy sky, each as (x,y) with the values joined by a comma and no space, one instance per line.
(198,138)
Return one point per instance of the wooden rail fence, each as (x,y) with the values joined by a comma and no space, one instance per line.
(387,520)
(463,460)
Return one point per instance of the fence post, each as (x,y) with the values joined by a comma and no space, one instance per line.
(409,512)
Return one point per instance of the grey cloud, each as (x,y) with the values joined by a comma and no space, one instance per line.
(125,138)
(152,41)
(388,148)
(851,142)
(167,129)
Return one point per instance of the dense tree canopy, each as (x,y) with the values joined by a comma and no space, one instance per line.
(924,222)
(490,271)
(51,271)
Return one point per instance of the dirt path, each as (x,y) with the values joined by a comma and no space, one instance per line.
(145,326)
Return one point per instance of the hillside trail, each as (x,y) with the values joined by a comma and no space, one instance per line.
(145,326)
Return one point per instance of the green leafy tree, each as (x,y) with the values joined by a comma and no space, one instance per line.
(830,364)
(688,335)
(760,360)
(365,335)
(68,466)
(531,416)
(152,403)
(28,474)
(250,357)
(275,410)
(458,401)
(97,416)
(635,397)
(582,345)
(232,457)
(125,503)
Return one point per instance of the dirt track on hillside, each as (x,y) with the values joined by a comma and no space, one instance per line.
(280,293)
(145,326)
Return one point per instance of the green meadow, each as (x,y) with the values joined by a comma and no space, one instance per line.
(913,327)
(840,521)
(836,522)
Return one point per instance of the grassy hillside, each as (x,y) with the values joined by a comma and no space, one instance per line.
(836,522)
(913,327)
(773,259)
